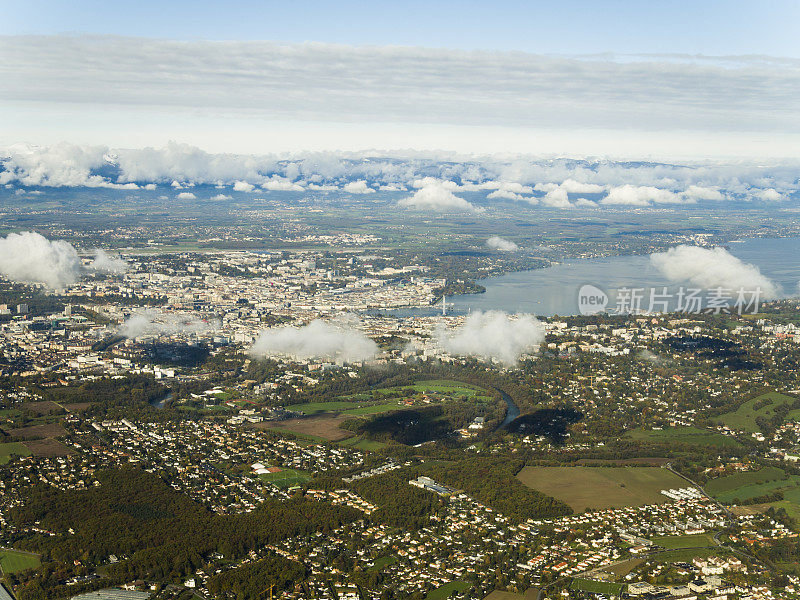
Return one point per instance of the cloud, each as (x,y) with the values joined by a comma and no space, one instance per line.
(697,192)
(153,322)
(243,186)
(29,257)
(105,263)
(556,198)
(279,184)
(570,186)
(399,85)
(339,341)
(358,187)
(497,243)
(712,268)
(770,195)
(585,203)
(436,196)
(494,335)
(186,196)
(640,196)
(222,197)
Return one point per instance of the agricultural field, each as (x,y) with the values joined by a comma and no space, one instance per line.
(286,478)
(583,488)
(12,561)
(764,406)
(48,448)
(323,427)
(676,542)
(597,587)
(682,435)
(363,444)
(12,449)
(34,432)
(721,485)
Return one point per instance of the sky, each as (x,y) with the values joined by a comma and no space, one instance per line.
(622,79)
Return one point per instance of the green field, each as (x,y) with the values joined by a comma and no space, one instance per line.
(597,587)
(444,591)
(682,435)
(286,478)
(313,408)
(602,487)
(755,490)
(382,563)
(721,485)
(12,449)
(675,542)
(440,386)
(744,418)
(687,554)
(363,444)
(12,561)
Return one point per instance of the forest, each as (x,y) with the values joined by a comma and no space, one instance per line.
(158,532)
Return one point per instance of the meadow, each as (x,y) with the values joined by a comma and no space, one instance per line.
(585,488)
(286,478)
(763,406)
(729,483)
(597,587)
(12,561)
(676,542)
(10,449)
(682,435)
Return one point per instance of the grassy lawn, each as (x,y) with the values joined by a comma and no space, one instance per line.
(12,449)
(373,409)
(286,478)
(12,561)
(597,587)
(729,483)
(382,563)
(744,418)
(602,487)
(687,554)
(675,542)
(313,408)
(682,435)
(444,591)
(362,444)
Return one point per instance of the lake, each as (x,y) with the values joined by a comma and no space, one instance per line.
(554,290)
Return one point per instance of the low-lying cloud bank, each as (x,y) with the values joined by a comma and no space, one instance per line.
(494,335)
(435,178)
(29,257)
(710,268)
(338,341)
(154,322)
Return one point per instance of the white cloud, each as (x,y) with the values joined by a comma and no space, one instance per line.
(497,243)
(585,203)
(712,268)
(186,196)
(105,263)
(279,184)
(436,196)
(147,322)
(29,257)
(640,196)
(697,192)
(358,187)
(339,341)
(243,186)
(556,198)
(770,195)
(494,335)
(570,186)
(222,197)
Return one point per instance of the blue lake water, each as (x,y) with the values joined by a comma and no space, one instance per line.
(554,290)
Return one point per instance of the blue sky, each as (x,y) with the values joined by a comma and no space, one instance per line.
(667,79)
(720,27)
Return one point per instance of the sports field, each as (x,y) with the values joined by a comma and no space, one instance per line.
(12,561)
(764,406)
(682,435)
(12,449)
(286,478)
(602,487)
